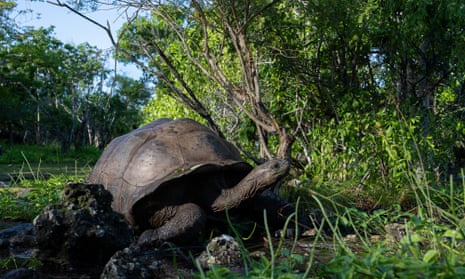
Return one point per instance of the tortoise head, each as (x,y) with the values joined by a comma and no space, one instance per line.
(258,180)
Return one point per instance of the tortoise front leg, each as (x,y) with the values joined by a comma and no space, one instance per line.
(178,224)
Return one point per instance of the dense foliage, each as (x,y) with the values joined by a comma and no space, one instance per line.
(372,92)
(56,92)
(368,96)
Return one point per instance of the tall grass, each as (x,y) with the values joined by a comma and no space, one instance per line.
(49,154)
(37,175)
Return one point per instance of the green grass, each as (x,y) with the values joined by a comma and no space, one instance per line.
(433,245)
(38,174)
(25,199)
(47,154)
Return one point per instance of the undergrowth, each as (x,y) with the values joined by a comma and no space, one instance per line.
(16,154)
(35,177)
(347,241)
(25,199)
(426,242)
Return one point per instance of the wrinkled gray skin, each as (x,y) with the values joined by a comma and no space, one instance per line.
(168,176)
(177,222)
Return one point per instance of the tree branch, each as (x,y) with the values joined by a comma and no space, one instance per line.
(106,28)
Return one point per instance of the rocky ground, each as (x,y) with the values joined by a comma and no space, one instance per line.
(83,238)
(22,258)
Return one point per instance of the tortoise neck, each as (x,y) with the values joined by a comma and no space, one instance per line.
(231,198)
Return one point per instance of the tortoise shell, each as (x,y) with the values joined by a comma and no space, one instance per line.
(136,164)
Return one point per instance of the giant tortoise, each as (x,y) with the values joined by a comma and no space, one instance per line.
(166,177)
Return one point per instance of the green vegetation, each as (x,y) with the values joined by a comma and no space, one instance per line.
(366,100)
(420,246)
(431,242)
(57,93)
(38,175)
(26,200)
(20,153)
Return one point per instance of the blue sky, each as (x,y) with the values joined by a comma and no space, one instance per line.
(71,28)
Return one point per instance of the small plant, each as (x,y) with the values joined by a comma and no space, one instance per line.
(15,263)
(25,199)
(430,245)
(28,194)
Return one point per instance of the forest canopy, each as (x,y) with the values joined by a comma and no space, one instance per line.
(362,94)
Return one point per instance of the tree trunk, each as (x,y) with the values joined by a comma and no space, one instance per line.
(38,130)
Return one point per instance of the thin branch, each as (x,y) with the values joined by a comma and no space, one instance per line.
(106,28)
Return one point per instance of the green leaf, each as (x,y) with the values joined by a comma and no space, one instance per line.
(430,256)
(453,234)
(412,238)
